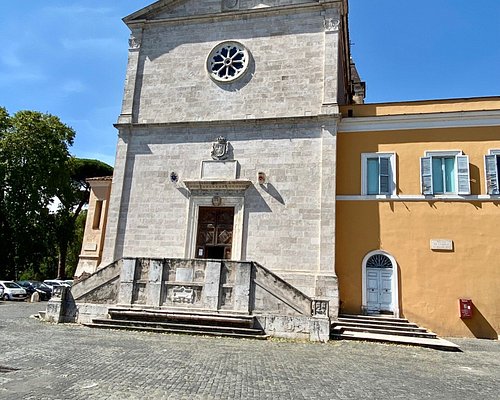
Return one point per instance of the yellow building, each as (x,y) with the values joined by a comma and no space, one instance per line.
(417,213)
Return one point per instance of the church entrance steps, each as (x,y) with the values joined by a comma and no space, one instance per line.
(183,316)
(162,321)
(385,329)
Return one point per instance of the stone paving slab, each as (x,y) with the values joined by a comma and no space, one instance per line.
(69,361)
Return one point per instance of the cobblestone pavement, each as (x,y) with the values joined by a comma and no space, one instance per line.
(69,361)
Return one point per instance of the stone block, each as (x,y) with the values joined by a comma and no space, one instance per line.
(211,291)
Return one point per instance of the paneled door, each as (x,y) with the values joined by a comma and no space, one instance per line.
(215,232)
(379,289)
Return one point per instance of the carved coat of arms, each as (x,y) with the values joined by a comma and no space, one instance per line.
(220,148)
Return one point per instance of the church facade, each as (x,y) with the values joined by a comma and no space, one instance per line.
(243,138)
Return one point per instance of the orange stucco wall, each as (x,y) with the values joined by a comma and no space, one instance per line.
(409,147)
(430,281)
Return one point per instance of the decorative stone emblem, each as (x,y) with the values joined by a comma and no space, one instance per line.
(181,294)
(229,3)
(174,178)
(320,308)
(220,149)
(332,24)
(216,201)
(134,43)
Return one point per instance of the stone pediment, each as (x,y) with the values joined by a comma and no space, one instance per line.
(171,9)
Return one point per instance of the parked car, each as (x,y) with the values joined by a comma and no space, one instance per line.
(12,291)
(1,292)
(55,282)
(31,287)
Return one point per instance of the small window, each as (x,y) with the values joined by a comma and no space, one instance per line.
(492,172)
(97,215)
(378,172)
(444,172)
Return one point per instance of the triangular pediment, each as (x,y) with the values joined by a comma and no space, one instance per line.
(166,9)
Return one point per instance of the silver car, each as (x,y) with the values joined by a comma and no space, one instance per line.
(12,291)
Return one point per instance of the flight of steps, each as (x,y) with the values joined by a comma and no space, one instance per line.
(192,323)
(386,329)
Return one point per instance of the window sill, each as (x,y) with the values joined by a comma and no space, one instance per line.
(419,197)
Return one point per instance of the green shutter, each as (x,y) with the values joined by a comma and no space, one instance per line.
(463,176)
(426,175)
(384,171)
(492,178)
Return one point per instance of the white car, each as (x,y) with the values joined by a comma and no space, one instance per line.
(12,291)
(55,282)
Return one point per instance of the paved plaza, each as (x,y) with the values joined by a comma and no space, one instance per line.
(40,361)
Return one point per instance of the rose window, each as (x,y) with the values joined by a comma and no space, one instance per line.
(227,61)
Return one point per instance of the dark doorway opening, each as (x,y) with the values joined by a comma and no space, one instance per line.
(215,232)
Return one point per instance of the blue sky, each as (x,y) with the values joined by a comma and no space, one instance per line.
(68,57)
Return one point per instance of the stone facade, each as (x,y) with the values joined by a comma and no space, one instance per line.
(95,226)
(280,119)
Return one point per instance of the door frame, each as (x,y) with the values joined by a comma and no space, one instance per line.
(394,282)
(197,201)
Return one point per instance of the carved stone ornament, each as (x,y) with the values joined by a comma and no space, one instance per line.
(332,24)
(320,308)
(216,201)
(134,42)
(181,294)
(229,4)
(220,149)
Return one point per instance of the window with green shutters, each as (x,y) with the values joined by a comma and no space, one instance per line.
(445,172)
(378,172)
(492,172)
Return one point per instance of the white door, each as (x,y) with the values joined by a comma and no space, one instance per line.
(379,289)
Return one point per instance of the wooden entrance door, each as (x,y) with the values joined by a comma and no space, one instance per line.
(379,289)
(214,238)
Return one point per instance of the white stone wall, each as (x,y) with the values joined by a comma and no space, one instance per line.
(285,76)
(197,7)
(282,224)
(274,117)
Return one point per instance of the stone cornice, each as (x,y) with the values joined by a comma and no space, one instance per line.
(322,118)
(217,184)
(256,12)
(420,198)
(463,119)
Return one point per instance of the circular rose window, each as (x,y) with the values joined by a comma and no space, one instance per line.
(227,61)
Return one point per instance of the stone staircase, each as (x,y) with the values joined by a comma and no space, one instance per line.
(386,329)
(181,322)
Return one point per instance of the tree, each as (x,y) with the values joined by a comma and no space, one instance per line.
(73,196)
(33,167)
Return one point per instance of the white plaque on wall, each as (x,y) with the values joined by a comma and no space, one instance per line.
(442,244)
(90,247)
(218,169)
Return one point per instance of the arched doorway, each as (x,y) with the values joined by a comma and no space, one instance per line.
(380,284)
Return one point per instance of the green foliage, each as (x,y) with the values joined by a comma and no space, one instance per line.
(75,245)
(35,168)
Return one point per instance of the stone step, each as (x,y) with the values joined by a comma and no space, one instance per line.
(340,329)
(378,317)
(177,325)
(178,330)
(384,325)
(245,321)
(437,343)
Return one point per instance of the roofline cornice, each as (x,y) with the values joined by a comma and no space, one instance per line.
(462,119)
(257,12)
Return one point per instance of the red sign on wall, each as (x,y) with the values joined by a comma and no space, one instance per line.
(465,308)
